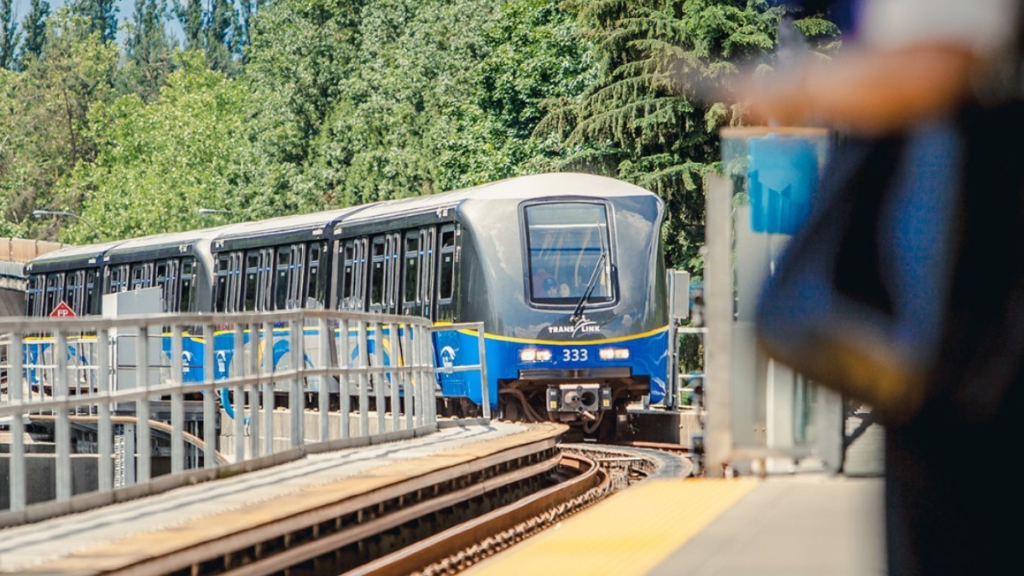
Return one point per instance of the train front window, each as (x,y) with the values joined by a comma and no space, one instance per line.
(569,252)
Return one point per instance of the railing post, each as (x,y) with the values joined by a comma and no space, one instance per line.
(485,389)
(142,409)
(177,402)
(429,380)
(297,402)
(408,376)
(395,372)
(209,415)
(15,381)
(379,386)
(105,430)
(364,379)
(267,365)
(345,381)
(62,436)
(324,393)
(239,368)
(255,408)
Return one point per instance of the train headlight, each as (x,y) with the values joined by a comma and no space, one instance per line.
(614,353)
(534,355)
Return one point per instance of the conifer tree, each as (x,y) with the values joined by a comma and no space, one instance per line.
(101,15)
(149,47)
(8,35)
(221,36)
(34,27)
(190,14)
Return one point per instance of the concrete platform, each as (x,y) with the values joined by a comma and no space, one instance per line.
(798,525)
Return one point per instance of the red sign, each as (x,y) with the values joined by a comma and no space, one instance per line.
(62,311)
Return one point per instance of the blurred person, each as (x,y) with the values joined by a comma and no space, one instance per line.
(951,496)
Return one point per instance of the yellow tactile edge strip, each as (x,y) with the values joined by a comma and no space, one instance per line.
(627,535)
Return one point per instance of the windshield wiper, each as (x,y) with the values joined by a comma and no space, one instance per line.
(591,284)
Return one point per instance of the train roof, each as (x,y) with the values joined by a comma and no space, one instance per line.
(87,255)
(285,229)
(532,187)
(163,245)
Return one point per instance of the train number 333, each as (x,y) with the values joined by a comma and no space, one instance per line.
(574,355)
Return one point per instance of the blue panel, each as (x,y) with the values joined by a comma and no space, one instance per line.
(783,176)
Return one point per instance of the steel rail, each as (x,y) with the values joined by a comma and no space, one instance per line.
(449,542)
(197,555)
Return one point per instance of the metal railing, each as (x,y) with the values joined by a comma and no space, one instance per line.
(96,383)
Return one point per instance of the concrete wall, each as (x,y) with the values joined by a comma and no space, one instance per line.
(41,474)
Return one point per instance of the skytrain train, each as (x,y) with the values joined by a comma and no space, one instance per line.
(564,270)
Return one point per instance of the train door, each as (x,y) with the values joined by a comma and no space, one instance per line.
(428,241)
(187,282)
(412,304)
(75,291)
(36,295)
(288,281)
(315,279)
(166,278)
(256,291)
(377,273)
(351,275)
(141,276)
(447,273)
(54,291)
(116,279)
(392,272)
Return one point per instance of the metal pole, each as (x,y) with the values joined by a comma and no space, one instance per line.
(324,394)
(379,383)
(345,381)
(718,297)
(485,387)
(177,403)
(105,432)
(15,352)
(408,377)
(364,380)
(267,366)
(209,414)
(298,394)
(395,363)
(62,437)
(142,406)
(238,369)
(254,403)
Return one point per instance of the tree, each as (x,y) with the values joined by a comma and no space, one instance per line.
(48,104)
(101,16)
(653,115)
(34,27)
(222,36)
(148,47)
(164,159)
(9,35)
(190,14)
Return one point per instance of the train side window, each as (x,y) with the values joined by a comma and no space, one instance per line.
(252,277)
(75,290)
(411,276)
(36,295)
(348,270)
(296,276)
(54,291)
(221,273)
(236,281)
(314,288)
(428,239)
(284,266)
(446,278)
(377,263)
(188,269)
(116,279)
(90,292)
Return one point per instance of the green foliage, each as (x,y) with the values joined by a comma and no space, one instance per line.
(164,160)
(34,27)
(47,107)
(9,35)
(100,16)
(149,49)
(653,115)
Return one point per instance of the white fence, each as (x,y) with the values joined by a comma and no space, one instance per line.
(92,375)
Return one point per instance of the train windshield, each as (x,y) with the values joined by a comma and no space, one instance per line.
(565,244)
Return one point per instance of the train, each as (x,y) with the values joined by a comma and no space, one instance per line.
(565,271)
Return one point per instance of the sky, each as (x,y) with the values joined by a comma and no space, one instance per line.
(125,9)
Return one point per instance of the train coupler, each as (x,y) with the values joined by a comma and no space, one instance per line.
(580,399)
